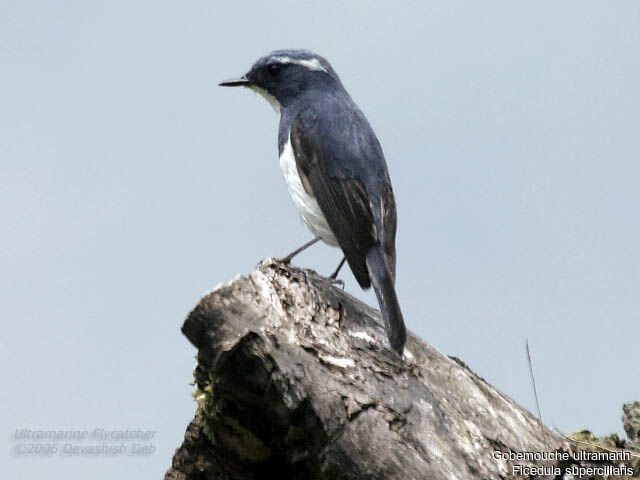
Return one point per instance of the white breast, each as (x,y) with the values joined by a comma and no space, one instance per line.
(307,206)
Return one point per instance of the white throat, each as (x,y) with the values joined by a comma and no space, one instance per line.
(268,97)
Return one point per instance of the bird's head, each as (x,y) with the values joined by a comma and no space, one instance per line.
(284,75)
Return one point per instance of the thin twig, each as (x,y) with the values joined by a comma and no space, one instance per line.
(535,392)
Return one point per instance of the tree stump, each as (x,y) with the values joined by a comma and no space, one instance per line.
(295,378)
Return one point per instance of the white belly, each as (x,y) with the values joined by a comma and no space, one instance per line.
(307,206)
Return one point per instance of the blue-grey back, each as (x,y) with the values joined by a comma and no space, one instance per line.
(349,145)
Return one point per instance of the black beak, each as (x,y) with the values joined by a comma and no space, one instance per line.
(243,81)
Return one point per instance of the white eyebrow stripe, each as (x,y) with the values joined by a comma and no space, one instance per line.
(311,63)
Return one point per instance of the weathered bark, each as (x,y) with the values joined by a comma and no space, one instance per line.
(631,423)
(295,378)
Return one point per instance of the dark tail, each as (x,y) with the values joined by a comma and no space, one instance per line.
(387,299)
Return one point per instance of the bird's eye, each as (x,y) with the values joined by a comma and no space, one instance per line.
(274,70)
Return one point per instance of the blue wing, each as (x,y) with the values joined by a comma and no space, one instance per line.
(342,165)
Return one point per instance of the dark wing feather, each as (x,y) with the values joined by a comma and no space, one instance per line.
(389,224)
(342,196)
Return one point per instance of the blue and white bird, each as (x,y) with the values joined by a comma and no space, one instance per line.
(335,170)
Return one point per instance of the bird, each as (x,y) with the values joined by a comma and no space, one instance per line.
(335,171)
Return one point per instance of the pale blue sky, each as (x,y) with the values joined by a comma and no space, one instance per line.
(130,184)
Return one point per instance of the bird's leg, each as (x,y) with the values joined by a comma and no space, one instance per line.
(334,276)
(288,258)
